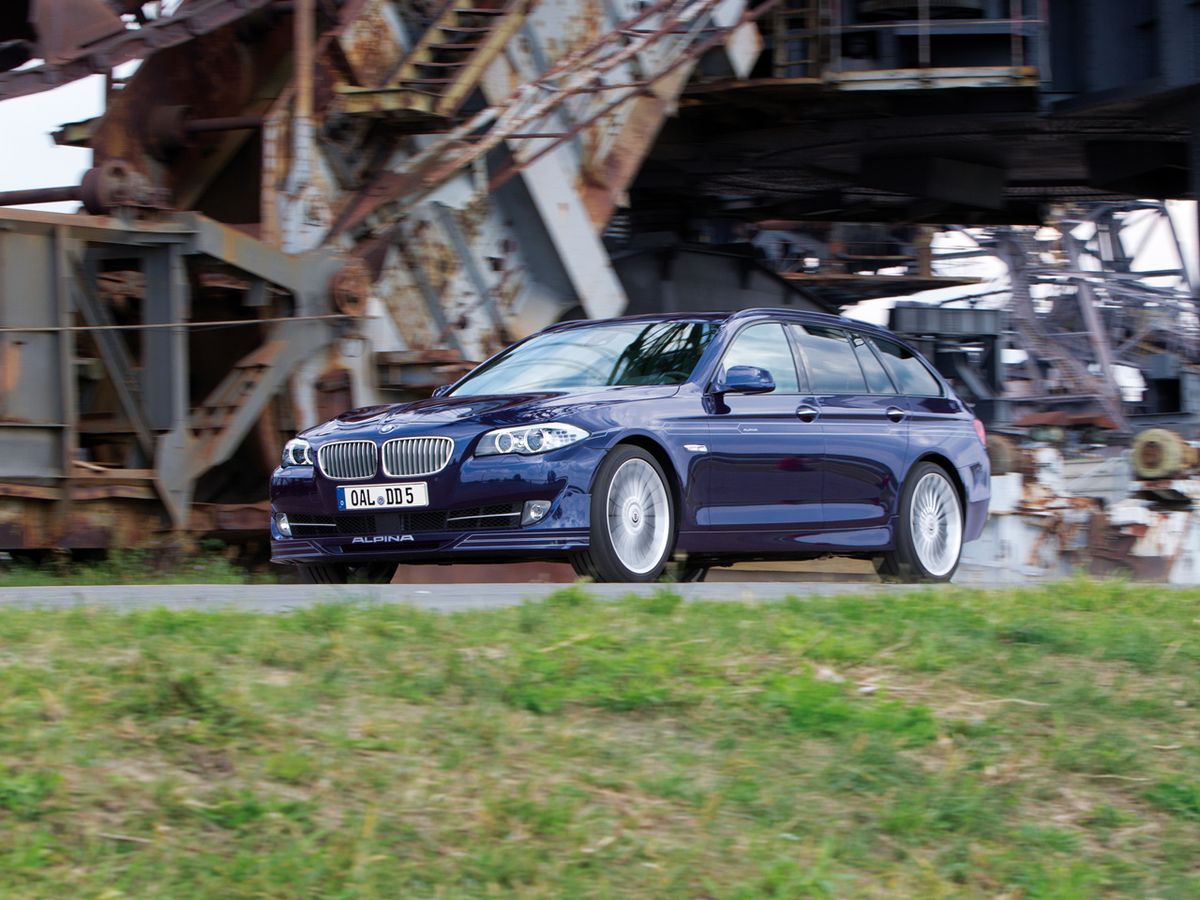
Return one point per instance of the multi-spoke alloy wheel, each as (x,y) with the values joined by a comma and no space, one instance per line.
(639,516)
(935,524)
(632,519)
(929,528)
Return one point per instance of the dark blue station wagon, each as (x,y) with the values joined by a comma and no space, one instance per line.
(635,446)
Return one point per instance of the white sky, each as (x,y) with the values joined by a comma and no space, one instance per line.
(29,158)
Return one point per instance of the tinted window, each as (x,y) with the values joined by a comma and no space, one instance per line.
(908,371)
(830,360)
(877,379)
(594,356)
(767,347)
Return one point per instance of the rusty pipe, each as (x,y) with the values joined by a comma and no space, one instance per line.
(41,195)
(222,123)
(102,189)
(168,128)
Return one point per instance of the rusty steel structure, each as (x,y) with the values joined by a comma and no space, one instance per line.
(1082,353)
(1098,309)
(297,208)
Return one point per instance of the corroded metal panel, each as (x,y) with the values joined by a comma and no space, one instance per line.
(32,414)
(374,42)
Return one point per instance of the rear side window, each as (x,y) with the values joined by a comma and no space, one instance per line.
(909,373)
(767,347)
(877,378)
(830,360)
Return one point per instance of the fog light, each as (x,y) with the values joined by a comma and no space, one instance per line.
(281,523)
(535,511)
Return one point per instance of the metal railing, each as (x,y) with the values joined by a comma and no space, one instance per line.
(826,39)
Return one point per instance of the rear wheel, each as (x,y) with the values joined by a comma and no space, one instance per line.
(336,573)
(632,520)
(929,529)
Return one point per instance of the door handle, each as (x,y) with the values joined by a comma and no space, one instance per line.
(895,413)
(806,413)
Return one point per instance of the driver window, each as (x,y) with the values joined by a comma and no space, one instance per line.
(765,346)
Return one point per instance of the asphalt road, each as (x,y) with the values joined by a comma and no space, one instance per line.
(275,598)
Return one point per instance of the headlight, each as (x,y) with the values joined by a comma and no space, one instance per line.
(297,452)
(529,439)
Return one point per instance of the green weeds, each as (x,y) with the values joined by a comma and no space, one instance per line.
(1036,743)
(211,564)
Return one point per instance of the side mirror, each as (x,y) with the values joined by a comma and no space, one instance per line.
(745,380)
(442,390)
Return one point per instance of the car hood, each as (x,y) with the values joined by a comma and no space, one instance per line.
(492,411)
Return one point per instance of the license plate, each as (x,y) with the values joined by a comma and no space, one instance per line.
(382,496)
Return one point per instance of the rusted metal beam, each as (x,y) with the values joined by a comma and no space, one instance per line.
(304,25)
(64,27)
(177,229)
(300,176)
(187,22)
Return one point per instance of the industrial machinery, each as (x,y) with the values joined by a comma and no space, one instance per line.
(1082,355)
(1099,307)
(299,206)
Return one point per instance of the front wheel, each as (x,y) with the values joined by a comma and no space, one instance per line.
(929,529)
(632,520)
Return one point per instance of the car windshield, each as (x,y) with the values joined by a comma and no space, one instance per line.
(622,353)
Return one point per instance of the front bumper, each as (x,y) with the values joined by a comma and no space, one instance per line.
(505,546)
(455,526)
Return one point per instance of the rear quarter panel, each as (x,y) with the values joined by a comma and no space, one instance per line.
(942,427)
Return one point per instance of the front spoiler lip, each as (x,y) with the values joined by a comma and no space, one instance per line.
(428,546)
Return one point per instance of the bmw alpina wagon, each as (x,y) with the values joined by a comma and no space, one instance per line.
(646,446)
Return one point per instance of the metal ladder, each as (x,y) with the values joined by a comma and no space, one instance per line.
(220,422)
(445,65)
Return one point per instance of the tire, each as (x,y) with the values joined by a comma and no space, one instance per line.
(632,520)
(929,529)
(334,573)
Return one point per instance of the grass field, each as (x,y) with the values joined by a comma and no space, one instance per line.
(1037,743)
